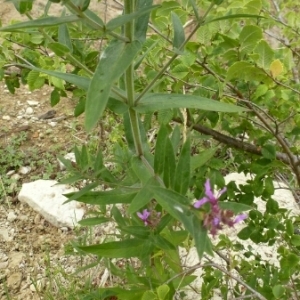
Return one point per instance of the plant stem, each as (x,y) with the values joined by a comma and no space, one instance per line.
(129,7)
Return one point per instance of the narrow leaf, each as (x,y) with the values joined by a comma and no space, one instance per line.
(93,221)
(155,102)
(121,20)
(43,22)
(141,23)
(182,173)
(160,148)
(115,60)
(179,36)
(121,249)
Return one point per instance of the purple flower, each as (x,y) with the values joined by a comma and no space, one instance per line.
(214,219)
(209,196)
(144,216)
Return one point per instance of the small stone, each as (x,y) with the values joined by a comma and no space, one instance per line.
(19,117)
(37,219)
(11,172)
(11,216)
(15,177)
(7,118)
(3,265)
(4,234)
(38,286)
(14,281)
(15,258)
(32,102)
(53,124)
(29,111)
(24,170)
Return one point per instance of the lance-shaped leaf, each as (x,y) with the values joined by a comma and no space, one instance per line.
(121,249)
(183,168)
(121,20)
(43,22)
(155,102)
(141,23)
(79,81)
(179,36)
(116,58)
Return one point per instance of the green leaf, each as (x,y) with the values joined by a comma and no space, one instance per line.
(249,37)
(179,36)
(55,97)
(289,261)
(80,107)
(58,49)
(142,198)
(141,171)
(235,206)
(169,164)
(295,240)
(236,16)
(93,221)
(269,151)
(243,70)
(176,205)
(142,232)
(278,291)
(202,241)
(149,295)
(266,54)
(64,37)
(183,168)
(116,58)
(105,198)
(155,102)
(43,22)
(160,147)
(289,227)
(121,20)
(202,158)
(121,249)
(79,81)
(162,291)
(141,23)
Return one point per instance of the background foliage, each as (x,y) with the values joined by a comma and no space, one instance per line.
(200,88)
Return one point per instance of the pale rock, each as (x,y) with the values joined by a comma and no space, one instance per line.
(6,118)
(3,265)
(29,111)
(11,172)
(4,234)
(46,197)
(19,117)
(11,216)
(24,170)
(15,259)
(15,177)
(32,102)
(69,156)
(14,281)
(52,124)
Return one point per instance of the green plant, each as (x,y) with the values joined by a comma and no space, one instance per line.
(227,81)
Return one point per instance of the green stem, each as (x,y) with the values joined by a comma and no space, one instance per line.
(129,7)
(164,69)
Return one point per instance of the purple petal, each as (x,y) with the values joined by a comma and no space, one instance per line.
(216,221)
(222,192)
(144,216)
(200,202)
(240,218)
(208,191)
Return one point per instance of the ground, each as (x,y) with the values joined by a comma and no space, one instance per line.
(29,245)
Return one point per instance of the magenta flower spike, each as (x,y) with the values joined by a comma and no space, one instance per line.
(217,217)
(144,216)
